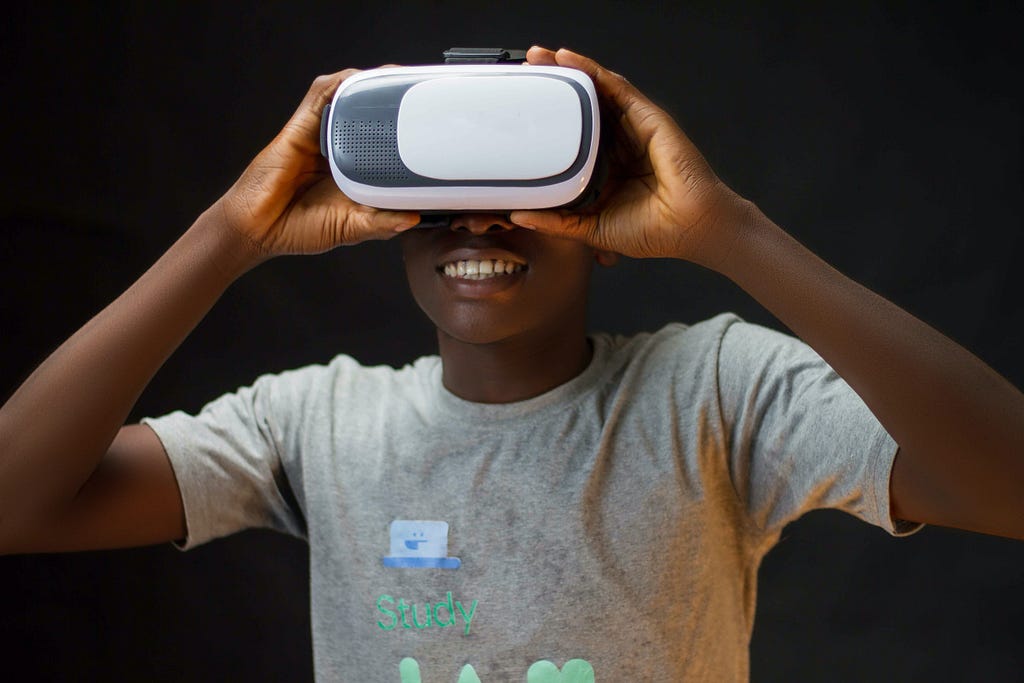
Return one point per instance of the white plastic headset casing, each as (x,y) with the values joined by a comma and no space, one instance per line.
(460,137)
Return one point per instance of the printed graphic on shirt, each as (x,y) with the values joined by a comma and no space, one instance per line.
(447,612)
(574,671)
(418,543)
(409,670)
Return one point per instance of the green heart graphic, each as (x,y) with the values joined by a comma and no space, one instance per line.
(574,671)
(468,675)
(409,670)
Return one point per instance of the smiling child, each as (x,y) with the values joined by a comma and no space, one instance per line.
(535,502)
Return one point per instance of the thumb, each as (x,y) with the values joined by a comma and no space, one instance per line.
(352,224)
(376,224)
(580,227)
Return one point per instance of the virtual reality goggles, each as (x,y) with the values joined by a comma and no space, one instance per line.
(482,132)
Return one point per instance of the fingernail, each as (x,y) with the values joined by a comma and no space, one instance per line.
(407,223)
(516,220)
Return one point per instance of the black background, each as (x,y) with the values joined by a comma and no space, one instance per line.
(886,138)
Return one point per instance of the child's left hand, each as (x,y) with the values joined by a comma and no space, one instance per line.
(662,198)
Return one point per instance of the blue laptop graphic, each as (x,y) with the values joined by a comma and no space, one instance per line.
(418,543)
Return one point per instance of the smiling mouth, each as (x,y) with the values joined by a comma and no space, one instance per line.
(486,269)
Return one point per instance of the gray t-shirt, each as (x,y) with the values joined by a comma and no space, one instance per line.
(610,529)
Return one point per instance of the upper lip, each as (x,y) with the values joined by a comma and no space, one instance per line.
(479,254)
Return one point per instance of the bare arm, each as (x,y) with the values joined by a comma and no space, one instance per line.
(130,499)
(70,476)
(959,425)
(59,424)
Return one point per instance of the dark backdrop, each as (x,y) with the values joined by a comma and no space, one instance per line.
(886,138)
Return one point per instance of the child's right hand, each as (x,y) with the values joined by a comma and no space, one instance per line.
(286,201)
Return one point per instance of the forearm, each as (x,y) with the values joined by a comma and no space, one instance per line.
(959,424)
(57,426)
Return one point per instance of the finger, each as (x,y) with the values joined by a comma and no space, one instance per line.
(404,220)
(575,226)
(360,225)
(349,222)
(629,101)
(322,90)
(303,129)
(541,56)
(608,82)
(386,224)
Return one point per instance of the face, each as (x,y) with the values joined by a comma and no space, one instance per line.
(484,280)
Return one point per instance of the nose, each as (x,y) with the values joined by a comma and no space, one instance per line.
(479,223)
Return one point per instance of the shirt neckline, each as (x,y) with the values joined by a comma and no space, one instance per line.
(470,413)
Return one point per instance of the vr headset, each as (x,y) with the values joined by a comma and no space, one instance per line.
(482,132)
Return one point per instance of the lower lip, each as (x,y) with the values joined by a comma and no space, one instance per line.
(482,288)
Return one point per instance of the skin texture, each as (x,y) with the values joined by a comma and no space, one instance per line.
(73,476)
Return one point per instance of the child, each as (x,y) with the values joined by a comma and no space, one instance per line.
(535,503)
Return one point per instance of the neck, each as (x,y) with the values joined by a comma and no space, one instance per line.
(513,369)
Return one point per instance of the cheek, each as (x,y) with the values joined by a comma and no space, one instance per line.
(568,276)
(423,290)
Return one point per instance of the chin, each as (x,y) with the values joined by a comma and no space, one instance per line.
(475,335)
(479,329)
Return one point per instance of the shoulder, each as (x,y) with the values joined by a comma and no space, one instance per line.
(748,350)
(679,358)
(699,361)
(675,343)
(341,379)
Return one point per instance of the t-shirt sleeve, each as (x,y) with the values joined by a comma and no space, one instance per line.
(799,437)
(228,462)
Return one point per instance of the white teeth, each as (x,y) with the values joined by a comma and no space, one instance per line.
(480,270)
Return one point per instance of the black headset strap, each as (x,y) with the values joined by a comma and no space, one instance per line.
(482,55)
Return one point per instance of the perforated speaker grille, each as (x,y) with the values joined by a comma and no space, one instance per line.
(372,146)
